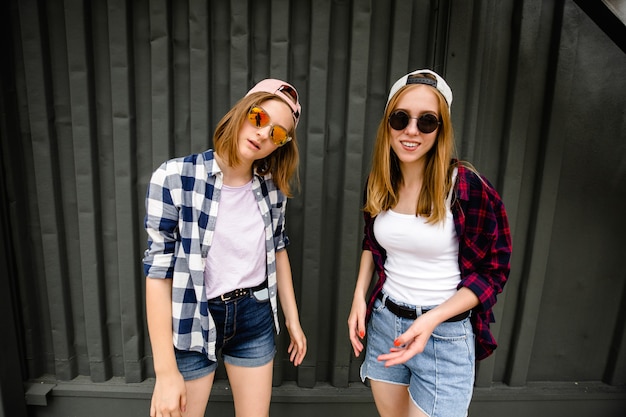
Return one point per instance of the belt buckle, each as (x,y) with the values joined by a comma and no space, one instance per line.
(239,292)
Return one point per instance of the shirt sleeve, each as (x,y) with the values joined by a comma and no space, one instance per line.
(281,240)
(369,242)
(485,247)
(161,224)
(368,229)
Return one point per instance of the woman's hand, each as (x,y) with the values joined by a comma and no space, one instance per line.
(356,319)
(169,398)
(413,341)
(356,324)
(410,343)
(297,345)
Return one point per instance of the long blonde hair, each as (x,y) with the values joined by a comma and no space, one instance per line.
(282,164)
(385,176)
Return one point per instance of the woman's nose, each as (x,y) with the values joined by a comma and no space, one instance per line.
(264,132)
(412,128)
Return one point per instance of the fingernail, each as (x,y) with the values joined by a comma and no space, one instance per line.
(396,343)
(361,333)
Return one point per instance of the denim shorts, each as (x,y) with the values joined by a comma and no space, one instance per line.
(440,380)
(245,337)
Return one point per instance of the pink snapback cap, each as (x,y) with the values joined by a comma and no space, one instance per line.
(281,89)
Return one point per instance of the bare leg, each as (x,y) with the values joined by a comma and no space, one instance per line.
(414,411)
(393,400)
(252,389)
(198,391)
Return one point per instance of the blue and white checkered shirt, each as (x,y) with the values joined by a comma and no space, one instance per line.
(181,210)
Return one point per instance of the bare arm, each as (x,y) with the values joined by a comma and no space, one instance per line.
(297,346)
(169,397)
(356,319)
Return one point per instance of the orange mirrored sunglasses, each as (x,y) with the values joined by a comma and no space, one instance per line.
(259,118)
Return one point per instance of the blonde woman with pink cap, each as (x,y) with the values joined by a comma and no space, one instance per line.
(438,240)
(217,262)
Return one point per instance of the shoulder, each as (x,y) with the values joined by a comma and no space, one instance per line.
(193,165)
(179,164)
(471,184)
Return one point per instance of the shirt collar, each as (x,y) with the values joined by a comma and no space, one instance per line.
(210,164)
(464,186)
(213,169)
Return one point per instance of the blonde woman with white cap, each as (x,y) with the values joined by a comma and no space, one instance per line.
(217,261)
(438,239)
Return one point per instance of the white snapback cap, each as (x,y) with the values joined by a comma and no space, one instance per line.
(439,83)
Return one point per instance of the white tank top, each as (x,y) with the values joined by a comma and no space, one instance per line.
(236,258)
(422,265)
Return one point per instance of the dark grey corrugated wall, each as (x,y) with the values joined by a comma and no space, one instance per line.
(114,88)
(96,94)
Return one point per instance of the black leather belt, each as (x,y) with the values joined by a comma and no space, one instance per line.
(410,313)
(238,293)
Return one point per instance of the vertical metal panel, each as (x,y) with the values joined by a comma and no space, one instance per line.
(124,174)
(11,375)
(522,133)
(350,201)
(102,127)
(584,266)
(161,80)
(279,12)
(18,159)
(87,190)
(540,244)
(45,158)
(219,68)
(180,83)
(13,370)
(239,49)
(312,156)
(615,367)
(60,93)
(199,26)
(108,90)
(477,107)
